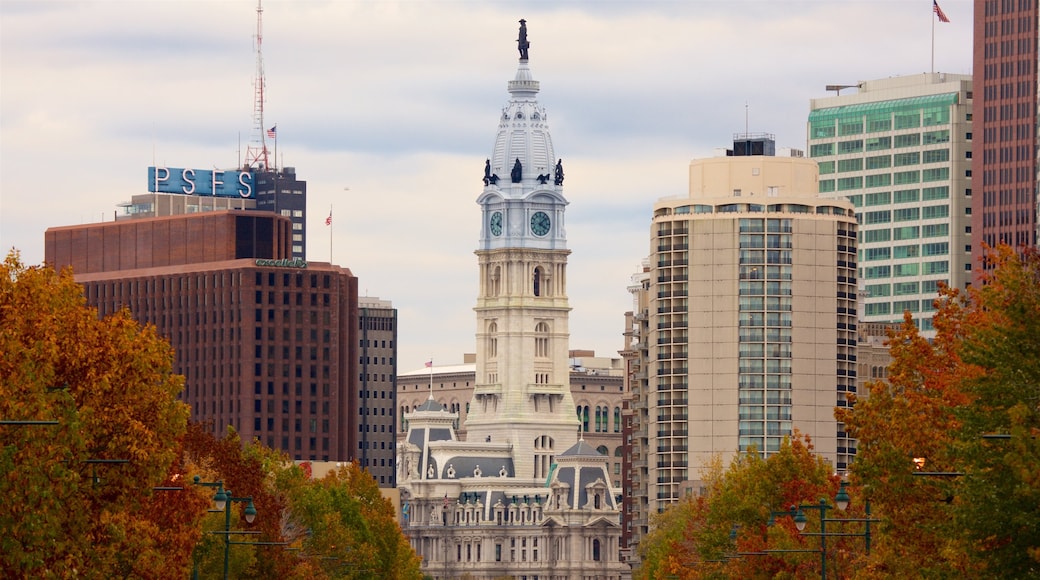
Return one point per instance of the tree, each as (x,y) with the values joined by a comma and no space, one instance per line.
(997,511)
(79,497)
(354,526)
(700,537)
(942,404)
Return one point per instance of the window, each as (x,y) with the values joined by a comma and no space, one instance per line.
(879,143)
(906,306)
(850,126)
(907,251)
(936,230)
(880,180)
(880,198)
(877,217)
(902,177)
(854,146)
(907,195)
(846,183)
(874,290)
(939,192)
(877,254)
(907,214)
(855,164)
(877,309)
(936,211)
(875,272)
(907,120)
(905,288)
(936,249)
(932,137)
(878,162)
(942,267)
(821,150)
(911,140)
(936,174)
(935,156)
(541,340)
(826,185)
(903,159)
(902,270)
(826,167)
(871,236)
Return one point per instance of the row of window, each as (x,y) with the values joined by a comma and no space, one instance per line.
(880,143)
(884,179)
(884,161)
(903,288)
(899,252)
(903,270)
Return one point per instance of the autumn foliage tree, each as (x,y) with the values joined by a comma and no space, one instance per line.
(78,495)
(338,526)
(700,537)
(965,408)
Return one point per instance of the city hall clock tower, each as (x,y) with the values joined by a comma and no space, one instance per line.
(522,393)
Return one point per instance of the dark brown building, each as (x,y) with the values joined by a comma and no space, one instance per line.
(1004,167)
(267,343)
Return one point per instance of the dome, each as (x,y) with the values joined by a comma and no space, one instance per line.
(523,134)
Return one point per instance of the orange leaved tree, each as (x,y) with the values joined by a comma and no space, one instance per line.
(78,493)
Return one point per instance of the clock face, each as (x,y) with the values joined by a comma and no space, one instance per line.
(496,223)
(540,223)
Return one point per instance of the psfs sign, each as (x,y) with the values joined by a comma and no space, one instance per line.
(201,182)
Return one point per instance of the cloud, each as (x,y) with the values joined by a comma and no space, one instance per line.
(399,102)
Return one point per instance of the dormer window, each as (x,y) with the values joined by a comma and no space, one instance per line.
(519,114)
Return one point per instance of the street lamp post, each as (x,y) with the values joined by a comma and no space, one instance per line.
(222,501)
(841,501)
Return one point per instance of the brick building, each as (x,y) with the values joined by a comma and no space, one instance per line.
(267,343)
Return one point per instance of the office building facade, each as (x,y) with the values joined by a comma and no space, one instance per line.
(377,388)
(1004,204)
(267,343)
(900,149)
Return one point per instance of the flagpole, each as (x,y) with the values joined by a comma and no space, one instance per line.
(933,16)
(330,233)
(431,377)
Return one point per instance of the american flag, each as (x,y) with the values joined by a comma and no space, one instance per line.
(938,11)
(328,220)
(429,364)
(272,133)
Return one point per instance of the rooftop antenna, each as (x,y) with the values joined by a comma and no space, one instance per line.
(256,152)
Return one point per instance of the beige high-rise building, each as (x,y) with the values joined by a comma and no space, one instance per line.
(751,316)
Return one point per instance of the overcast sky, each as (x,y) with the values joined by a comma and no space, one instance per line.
(388,110)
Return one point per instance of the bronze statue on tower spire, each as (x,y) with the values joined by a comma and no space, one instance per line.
(521,42)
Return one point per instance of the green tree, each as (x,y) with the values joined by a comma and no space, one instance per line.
(109,384)
(997,507)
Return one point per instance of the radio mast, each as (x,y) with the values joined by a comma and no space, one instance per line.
(256,152)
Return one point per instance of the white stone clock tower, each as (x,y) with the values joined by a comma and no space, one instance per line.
(522,393)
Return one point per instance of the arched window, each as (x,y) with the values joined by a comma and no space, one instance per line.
(541,340)
(495,283)
(617,419)
(583,416)
(595,547)
(538,281)
(492,340)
